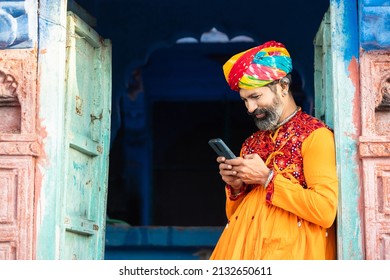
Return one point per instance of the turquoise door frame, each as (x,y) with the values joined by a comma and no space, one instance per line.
(51,73)
(75,108)
(338,104)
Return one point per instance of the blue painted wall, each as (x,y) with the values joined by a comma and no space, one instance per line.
(18,24)
(374,24)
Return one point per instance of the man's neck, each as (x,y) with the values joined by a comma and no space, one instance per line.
(289,109)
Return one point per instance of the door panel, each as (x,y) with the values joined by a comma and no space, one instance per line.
(16,196)
(323,72)
(87,123)
(337,96)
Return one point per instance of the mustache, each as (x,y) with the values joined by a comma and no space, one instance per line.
(258,111)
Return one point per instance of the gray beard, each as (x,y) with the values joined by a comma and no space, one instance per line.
(271,118)
(269,122)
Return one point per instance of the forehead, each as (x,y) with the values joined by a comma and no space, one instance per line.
(246,93)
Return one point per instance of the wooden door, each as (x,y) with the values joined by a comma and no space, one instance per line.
(87,132)
(337,103)
(323,107)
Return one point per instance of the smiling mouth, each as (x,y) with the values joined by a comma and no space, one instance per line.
(260,116)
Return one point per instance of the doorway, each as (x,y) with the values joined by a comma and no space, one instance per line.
(162,171)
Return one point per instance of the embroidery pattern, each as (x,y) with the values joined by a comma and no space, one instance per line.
(281,150)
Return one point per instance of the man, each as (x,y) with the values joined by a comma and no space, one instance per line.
(282,191)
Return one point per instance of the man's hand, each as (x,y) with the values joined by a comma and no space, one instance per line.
(251,169)
(228,175)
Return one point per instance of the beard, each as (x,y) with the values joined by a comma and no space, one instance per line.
(271,116)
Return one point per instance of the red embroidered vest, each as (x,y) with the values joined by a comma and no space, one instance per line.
(281,150)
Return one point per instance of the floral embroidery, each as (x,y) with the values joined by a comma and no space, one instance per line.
(281,150)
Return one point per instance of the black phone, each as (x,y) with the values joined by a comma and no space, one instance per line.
(221,148)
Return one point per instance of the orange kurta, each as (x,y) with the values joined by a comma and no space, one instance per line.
(293,217)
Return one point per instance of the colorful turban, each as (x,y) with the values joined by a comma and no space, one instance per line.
(257,66)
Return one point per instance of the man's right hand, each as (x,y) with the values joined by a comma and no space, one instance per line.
(229,176)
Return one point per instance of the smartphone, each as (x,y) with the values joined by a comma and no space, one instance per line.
(221,148)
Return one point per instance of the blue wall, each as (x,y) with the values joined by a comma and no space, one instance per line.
(374,24)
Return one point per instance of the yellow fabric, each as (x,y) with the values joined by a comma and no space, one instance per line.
(298,224)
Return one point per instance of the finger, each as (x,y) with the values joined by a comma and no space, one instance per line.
(230,173)
(221,159)
(224,166)
(235,161)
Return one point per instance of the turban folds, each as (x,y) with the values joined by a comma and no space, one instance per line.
(257,66)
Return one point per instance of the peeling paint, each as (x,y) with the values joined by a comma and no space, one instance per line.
(353,69)
(344,42)
(354,76)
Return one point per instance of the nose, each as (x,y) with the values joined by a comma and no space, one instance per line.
(251,106)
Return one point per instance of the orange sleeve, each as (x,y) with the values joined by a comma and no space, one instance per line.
(232,204)
(317,203)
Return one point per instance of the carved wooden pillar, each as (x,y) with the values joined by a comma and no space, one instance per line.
(18,149)
(19,144)
(374,150)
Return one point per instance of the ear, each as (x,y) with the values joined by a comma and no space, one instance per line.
(285,85)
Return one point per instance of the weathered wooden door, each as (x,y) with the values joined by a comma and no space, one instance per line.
(87,131)
(337,103)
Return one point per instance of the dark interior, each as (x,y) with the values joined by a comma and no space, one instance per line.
(170,98)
